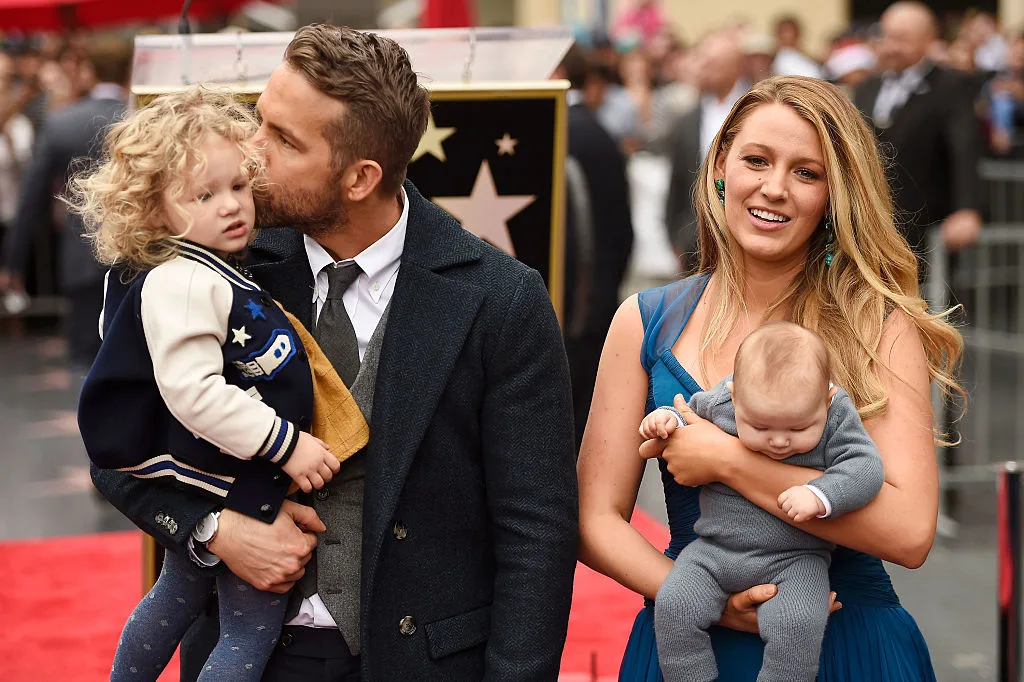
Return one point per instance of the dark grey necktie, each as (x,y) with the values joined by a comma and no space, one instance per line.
(337,338)
(334,331)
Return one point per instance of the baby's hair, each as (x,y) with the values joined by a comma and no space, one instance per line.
(782,356)
(156,149)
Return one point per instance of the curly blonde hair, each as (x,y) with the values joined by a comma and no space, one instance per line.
(155,150)
(873,271)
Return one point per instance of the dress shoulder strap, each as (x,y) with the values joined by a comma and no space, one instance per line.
(665,311)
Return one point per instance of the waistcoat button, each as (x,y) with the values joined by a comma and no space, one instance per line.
(323,494)
(266,509)
(407,626)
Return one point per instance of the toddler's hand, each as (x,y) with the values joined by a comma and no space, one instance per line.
(801,504)
(658,424)
(311,465)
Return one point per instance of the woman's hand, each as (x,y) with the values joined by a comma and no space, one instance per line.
(695,454)
(741,610)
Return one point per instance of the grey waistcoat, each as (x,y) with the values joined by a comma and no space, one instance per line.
(337,560)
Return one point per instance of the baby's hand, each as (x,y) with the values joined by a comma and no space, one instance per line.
(658,424)
(801,504)
(311,465)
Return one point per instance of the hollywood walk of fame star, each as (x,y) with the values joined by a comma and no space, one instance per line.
(506,145)
(431,141)
(240,336)
(484,212)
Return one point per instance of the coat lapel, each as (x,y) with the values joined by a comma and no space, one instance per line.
(430,317)
(905,116)
(278,263)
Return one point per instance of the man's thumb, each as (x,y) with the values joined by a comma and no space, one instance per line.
(306,518)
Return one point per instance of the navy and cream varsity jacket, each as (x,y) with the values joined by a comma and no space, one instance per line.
(199,364)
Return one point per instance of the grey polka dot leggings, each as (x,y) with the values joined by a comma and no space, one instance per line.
(250,623)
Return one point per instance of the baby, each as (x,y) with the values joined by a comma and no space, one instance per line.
(779,402)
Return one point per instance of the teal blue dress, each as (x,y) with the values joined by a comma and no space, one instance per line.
(872,638)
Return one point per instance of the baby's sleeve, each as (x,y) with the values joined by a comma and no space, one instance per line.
(853,472)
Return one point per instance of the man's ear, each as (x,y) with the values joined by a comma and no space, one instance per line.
(361,179)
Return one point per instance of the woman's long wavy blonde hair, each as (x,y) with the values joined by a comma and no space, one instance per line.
(156,149)
(873,271)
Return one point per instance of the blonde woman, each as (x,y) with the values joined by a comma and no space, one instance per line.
(198,366)
(795,223)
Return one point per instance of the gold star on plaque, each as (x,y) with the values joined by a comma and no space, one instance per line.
(431,141)
(506,145)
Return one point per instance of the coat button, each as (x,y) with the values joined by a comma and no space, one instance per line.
(399,530)
(266,510)
(407,626)
(286,639)
(172,526)
(277,477)
(323,494)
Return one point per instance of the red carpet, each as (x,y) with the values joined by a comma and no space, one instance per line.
(63,602)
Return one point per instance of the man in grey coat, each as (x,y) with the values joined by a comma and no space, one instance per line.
(71,138)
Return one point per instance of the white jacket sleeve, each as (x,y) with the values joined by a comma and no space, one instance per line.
(185,311)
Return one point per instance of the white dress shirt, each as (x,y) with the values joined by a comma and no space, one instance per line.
(896,90)
(713,113)
(365,302)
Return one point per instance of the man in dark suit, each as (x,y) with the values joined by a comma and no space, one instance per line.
(448,545)
(70,139)
(599,232)
(923,115)
(721,84)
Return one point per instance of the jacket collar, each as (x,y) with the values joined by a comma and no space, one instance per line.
(434,240)
(200,254)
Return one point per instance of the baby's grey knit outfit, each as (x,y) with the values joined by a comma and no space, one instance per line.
(740,545)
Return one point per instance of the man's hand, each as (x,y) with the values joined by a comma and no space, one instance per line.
(270,557)
(801,504)
(311,465)
(741,610)
(961,229)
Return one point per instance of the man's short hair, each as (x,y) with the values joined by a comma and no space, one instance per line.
(386,109)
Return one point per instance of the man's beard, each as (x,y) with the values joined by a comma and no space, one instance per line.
(314,213)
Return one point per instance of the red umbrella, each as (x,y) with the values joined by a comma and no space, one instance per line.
(53,15)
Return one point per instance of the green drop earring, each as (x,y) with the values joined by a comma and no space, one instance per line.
(720,186)
(828,239)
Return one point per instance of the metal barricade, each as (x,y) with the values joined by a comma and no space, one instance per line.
(988,280)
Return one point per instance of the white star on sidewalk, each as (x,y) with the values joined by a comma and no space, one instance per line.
(240,336)
(484,212)
(431,141)
(506,145)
